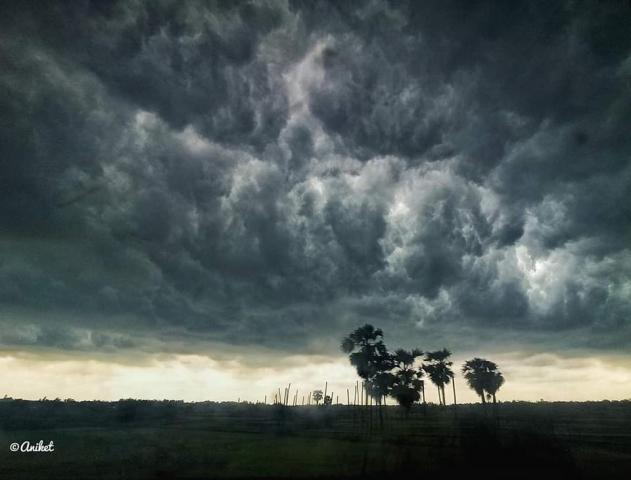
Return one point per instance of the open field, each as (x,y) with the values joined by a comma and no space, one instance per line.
(129,439)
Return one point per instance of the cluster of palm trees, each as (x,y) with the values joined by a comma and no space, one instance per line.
(400,374)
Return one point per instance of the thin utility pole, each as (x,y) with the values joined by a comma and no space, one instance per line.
(453,384)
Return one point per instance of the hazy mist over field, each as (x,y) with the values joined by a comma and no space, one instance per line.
(198,200)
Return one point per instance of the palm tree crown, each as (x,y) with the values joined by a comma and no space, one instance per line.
(483,377)
(407,380)
(370,357)
(439,371)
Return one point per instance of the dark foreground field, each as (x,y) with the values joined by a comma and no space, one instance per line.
(170,440)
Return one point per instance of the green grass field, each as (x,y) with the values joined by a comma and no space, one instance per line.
(99,440)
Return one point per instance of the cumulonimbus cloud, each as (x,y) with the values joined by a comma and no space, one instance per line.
(275,173)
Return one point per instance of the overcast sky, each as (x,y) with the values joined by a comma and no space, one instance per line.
(247,182)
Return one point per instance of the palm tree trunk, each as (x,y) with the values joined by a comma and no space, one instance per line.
(380,416)
(369,403)
(494,401)
(440,400)
(453,384)
(482,396)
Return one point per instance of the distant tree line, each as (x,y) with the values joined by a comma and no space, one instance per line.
(401,374)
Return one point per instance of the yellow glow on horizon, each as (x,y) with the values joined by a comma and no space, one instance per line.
(198,378)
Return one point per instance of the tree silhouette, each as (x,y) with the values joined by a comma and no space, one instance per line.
(483,377)
(317,396)
(407,380)
(380,385)
(495,381)
(370,357)
(439,371)
(474,373)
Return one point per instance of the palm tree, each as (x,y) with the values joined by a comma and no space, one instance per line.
(483,377)
(474,372)
(439,371)
(407,382)
(370,357)
(495,381)
(380,385)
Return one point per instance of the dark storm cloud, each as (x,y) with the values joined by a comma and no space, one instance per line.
(275,173)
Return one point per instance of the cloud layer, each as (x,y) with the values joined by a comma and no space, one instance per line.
(275,173)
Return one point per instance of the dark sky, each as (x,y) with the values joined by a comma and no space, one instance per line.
(175,175)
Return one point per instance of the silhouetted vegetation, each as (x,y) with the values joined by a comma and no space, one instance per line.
(407,384)
(370,357)
(395,374)
(438,368)
(483,377)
